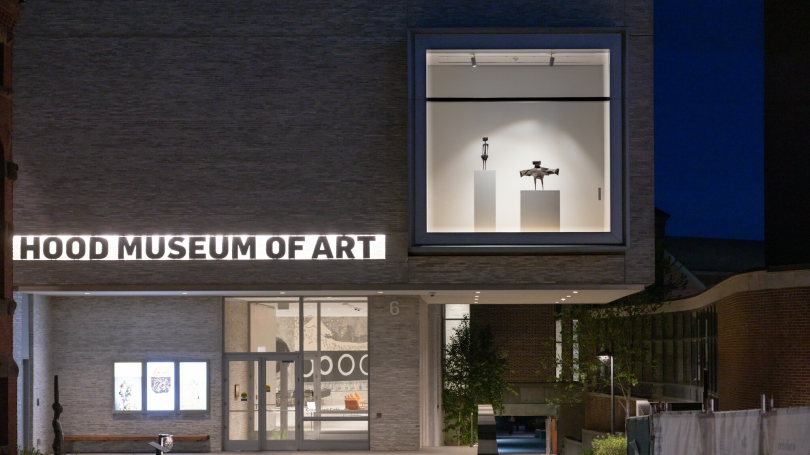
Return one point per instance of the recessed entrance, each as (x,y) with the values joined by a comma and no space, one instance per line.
(296,373)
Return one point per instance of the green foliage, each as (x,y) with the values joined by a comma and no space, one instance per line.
(586,452)
(474,373)
(610,445)
(28,451)
(621,326)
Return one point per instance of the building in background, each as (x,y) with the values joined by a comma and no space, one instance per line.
(237,222)
(9,368)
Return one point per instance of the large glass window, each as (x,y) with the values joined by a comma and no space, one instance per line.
(336,369)
(517,144)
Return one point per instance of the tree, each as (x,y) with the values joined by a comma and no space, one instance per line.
(474,371)
(619,326)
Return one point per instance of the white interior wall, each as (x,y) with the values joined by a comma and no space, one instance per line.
(565,135)
(464,81)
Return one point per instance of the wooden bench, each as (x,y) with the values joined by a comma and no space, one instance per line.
(76,438)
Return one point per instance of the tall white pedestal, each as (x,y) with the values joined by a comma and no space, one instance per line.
(484,213)
(540,211)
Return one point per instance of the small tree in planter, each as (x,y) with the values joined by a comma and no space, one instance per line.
(473,374)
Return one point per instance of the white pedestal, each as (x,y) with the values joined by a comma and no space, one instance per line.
(484,213)
(540,211)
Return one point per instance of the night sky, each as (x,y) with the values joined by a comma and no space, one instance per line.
(709,117)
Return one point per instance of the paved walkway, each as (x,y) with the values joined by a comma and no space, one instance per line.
(424,451)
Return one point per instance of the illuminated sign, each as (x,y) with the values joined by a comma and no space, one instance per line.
(196,247)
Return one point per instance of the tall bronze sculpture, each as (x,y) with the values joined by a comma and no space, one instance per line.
(58,436)
(539,172)
(485,152)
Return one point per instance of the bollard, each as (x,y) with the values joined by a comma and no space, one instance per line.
(762,404)
(772,403)
(164,444)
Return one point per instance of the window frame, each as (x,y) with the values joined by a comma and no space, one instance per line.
(175,413)
(422,242)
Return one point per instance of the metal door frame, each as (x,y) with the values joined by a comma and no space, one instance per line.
(262,443)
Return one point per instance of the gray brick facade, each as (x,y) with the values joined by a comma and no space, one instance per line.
(394,394)
(184,117)
(221,117)
(79,339)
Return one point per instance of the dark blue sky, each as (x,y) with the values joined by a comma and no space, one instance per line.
(709,117)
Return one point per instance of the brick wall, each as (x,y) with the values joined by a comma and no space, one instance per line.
(394,383)
(597,412)
(763,345)
(216,116)
(526,332)
(79,338)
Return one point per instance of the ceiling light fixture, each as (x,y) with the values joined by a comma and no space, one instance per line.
(563,300)
(379,292)
(474,64)
(477,292)
(568,296)
(551,60)
(575,292)
(283,292)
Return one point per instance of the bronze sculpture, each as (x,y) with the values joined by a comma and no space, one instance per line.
(485,152)
(58,436)
(539,172)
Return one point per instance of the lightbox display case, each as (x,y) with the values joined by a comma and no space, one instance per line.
(517,139)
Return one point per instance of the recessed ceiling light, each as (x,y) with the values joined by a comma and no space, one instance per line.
(329,297)
(185,293)
(86,293)
(568,296)
(562,299)
(557,301)
(477,292)
(379,292)
(283,292)
(575,292)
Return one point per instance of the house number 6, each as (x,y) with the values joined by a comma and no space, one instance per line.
(394,307)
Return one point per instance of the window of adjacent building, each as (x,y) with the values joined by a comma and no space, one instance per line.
(160,386)
(453,315)
(574,353)
(517,145)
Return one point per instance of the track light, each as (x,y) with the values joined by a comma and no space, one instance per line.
(473,61)
(551,60)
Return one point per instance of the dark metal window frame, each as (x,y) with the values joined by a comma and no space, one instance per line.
(423,242)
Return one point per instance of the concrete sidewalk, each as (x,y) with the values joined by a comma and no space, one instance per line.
(445,450)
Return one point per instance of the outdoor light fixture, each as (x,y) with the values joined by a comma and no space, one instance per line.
(473,61)
(604,356)
(551,60)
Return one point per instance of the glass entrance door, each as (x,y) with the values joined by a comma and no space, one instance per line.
(262,402)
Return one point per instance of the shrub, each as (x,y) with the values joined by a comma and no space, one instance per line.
(586,452)
(610,445)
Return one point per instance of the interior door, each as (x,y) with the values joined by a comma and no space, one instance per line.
(281,404)
(239,401)
(262,402)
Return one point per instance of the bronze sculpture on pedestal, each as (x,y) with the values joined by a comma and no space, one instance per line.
(539,172)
